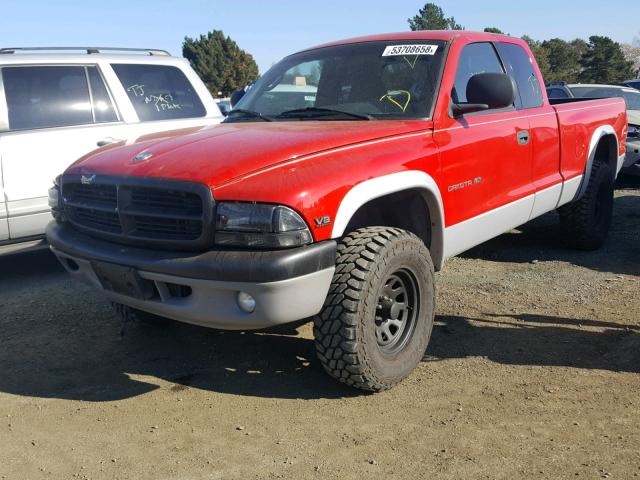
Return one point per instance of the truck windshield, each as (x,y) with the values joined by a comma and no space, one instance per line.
(360,81)
(631,97)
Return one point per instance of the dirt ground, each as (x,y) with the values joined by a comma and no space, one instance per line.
(532,372)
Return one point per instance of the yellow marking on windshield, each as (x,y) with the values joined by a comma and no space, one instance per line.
(412,64)
(389,96)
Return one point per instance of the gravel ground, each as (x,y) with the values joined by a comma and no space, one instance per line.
(532,372)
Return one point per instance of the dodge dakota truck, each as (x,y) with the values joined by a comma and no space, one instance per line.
(336,186)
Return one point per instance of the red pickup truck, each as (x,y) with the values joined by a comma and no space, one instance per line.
(335,188)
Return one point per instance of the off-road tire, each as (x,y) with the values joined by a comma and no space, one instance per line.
(347,333)
(132,315)
(585,223)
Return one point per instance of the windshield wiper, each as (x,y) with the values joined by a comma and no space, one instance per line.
(313,111)
(249,113)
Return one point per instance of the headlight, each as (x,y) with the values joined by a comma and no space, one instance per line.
(259,225)
(633,132)
(55,201)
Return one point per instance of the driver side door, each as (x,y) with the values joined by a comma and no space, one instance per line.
(486,160)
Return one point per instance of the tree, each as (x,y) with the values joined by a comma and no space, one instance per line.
(541,55)
(564,59)
(220,62)
(632,54)
(604,62)
(431,17)
(493,30)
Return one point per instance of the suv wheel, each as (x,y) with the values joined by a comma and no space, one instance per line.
(586,222)
(377,319)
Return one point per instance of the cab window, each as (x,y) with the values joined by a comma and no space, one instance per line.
(475,58)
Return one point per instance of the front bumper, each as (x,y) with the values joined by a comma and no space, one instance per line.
(201,288)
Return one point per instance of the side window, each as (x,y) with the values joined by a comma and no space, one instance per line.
(159,92)
(102,104)
(475,58)
(520,67)
(40,97)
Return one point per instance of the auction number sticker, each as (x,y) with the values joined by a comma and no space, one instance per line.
(393,50)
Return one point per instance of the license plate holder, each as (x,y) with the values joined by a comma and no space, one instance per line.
(123,280)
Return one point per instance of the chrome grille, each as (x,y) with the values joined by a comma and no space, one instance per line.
(141,211)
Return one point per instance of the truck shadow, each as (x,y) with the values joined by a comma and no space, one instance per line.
(59,339)
(538,340)
(542,240)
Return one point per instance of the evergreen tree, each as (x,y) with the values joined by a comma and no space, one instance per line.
(604,62)
(493,30)
(431,17)
(564,59)
(222,65)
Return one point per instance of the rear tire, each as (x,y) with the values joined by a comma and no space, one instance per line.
(585,223)
(377,319)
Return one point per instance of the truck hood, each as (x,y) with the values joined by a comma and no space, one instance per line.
(218,154)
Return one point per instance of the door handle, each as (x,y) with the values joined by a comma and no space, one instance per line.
(108,141)
(523,137)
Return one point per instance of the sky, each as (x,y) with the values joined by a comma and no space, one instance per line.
(270,30)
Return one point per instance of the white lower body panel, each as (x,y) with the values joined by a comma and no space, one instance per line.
(470,233)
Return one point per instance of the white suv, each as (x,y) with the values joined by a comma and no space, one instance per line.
(57,107)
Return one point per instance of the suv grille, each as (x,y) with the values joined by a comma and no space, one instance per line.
(141,211)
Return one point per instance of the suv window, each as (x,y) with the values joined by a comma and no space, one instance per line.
(475,58)
(102,105)
(159,92)
(520,67)
(51,96)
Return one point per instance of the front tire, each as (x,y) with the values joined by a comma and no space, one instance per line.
(586,222)
(377,319)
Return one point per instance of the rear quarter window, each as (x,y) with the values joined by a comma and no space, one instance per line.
(520,67)
(159,92)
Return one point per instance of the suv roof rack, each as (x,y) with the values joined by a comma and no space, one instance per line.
(89,50)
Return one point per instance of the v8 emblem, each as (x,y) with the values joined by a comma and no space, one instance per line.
(322,221)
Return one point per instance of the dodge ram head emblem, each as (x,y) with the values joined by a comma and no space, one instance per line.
(141,157)
(87,179)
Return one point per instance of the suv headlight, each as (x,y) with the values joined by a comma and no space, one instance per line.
(55,201)
(633,133)
(259,225)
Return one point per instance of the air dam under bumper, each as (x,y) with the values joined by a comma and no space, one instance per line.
(202,288)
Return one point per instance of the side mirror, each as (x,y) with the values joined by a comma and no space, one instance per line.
(487,91)
(235,97)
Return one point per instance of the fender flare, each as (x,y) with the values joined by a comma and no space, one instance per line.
(599,132)
(371,189)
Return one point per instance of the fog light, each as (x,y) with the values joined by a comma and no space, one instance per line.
(246,302)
